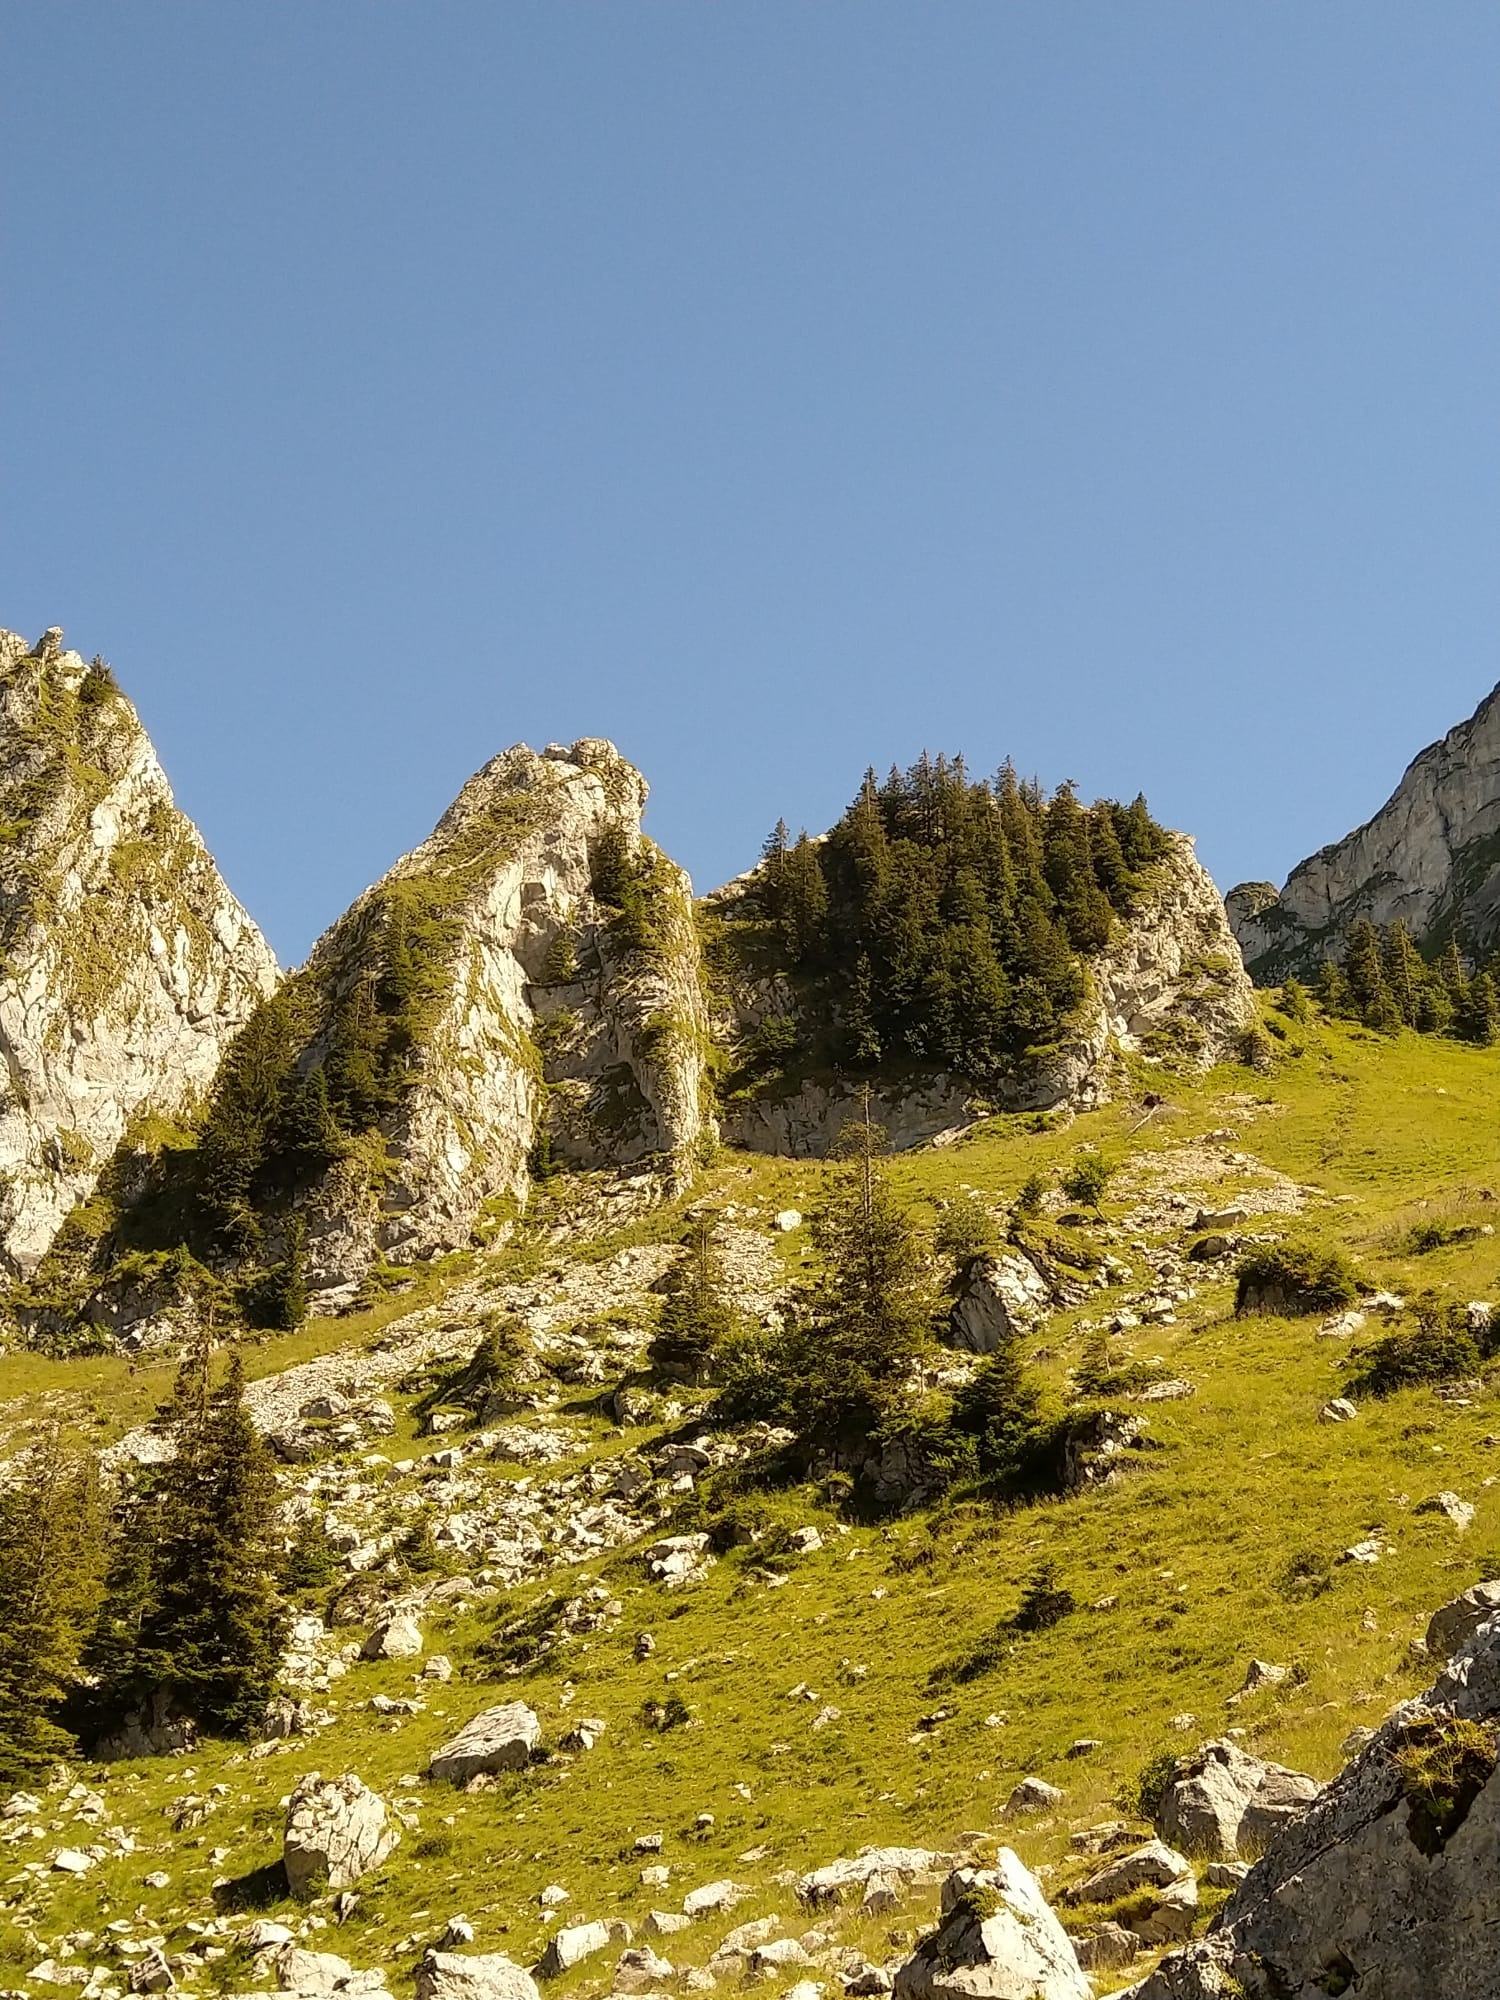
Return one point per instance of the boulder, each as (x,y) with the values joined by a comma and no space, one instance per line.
(1338,1411)
(497,1739)
(1388,1884)
(1152,1866)
(1454,1623)
(451,1975)
(1222,1798)
(997,1940)
(570,1946)
(846,1881)
(678,1559)
(337,1830)
(1001,1298)
(1459,1512)
(397,1638)
(711,1898)
(1032,1795)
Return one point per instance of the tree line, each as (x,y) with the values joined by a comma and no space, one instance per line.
(943,919)
(1380,978)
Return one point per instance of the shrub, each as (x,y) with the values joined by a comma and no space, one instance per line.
(1044,1602)
(966,1232)
(1290,1279)
(1086,1180)
(1033,1193)
(1439,1348)
(1144,1795)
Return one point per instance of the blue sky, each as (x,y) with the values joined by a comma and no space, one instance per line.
(774,388)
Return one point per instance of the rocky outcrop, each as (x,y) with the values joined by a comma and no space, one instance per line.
(1388,1885)
(551,1011)
(126,966)
(1430,856)
(1223,1801)
(1000,1298)
(337,1830)
(1170,983)
(997,1940)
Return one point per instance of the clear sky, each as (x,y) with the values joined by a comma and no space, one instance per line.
(775,388)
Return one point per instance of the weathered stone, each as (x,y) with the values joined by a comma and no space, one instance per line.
(1003,1297)
(1454,1623)
(1459,1512)
(1222,1798)
(1032,1795)
(997,1940)
(447,1975)
(337,1830)
(398,1638)
(847,1880)
(498,1739)
(570,1946)
(1151,1866)
(711,1898)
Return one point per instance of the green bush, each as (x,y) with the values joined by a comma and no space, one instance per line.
(1439,1348)
(1290,1279)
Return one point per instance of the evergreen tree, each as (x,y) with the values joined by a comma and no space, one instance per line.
(872,1311)
(192,1622)
(697,1316)
(1292,1000)
(50,1559)
(1405,973)
(1364,968)
(1478,1020)
(1334,996)
(1002,1408)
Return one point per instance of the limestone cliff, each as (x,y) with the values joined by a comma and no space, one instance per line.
(1169,983)
(126,966)
(1430,856)
(490,1004)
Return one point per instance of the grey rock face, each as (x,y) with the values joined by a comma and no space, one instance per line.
(544,990)
(1452,1624)
(1430,856)
(452,1975)
(337,1830)
(1223,1798)
(126,966)
(1002,1297)
(1367,1891)
(499,1739)
(1018,1952)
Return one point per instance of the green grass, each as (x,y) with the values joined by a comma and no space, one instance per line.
(1225,1547)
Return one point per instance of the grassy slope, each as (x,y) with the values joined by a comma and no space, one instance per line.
(1199,1554)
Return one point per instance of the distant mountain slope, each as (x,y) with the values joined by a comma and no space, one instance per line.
(1430,857)
(126,966)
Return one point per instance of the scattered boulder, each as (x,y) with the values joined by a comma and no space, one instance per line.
(337,1830)
(451,1975)
(1001,1298)
(1222,1798)
(1455,1622)
(1032,1795)
(639,1969)
(1106,1948)
(997,1940)
(1152,1866)
(678,1559)
(1459,1512)
(498,1739)
(1338,1411)
(576,1942)
(399,1637)
(845,1881)
(711,1898)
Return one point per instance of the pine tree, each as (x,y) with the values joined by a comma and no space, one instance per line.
(192,1621)
(872,1312)
(1478,1020)
(50,1560)
(1292,1000)
(1001,1408)
(1334,996)
(697,1316)
(1364,967)
(1405,973)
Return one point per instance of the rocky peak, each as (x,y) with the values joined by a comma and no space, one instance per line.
(1430,857)
(126,965)
(521,988)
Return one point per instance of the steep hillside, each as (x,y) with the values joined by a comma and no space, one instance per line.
(1430,858)
(126,966)
(738,1678)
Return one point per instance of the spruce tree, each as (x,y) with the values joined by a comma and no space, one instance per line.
(1002,1408)
(872,1311)
(192,1621)
(1364,967)
(697,1316)
(50,1560)
(1478,1020)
